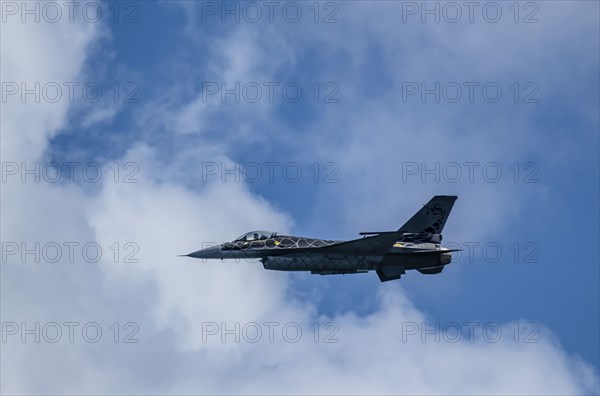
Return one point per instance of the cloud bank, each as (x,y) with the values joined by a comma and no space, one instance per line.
(186,315)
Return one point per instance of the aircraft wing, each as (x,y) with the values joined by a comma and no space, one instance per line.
(377,244)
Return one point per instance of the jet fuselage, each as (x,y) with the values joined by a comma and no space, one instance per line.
(416,245)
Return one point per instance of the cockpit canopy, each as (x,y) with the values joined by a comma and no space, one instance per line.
(256,235)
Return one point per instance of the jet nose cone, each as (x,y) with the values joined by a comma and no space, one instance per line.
(213,252)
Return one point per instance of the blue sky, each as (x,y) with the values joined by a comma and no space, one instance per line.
(373,130)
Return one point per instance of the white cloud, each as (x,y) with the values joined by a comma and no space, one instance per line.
(44,53)
(172,299)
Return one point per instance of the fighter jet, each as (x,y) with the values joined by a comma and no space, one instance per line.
(414,246)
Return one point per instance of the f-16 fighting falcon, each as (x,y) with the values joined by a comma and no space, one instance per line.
(416,245)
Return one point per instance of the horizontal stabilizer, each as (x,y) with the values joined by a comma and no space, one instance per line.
(377,232)
(337,272)
(433,251)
